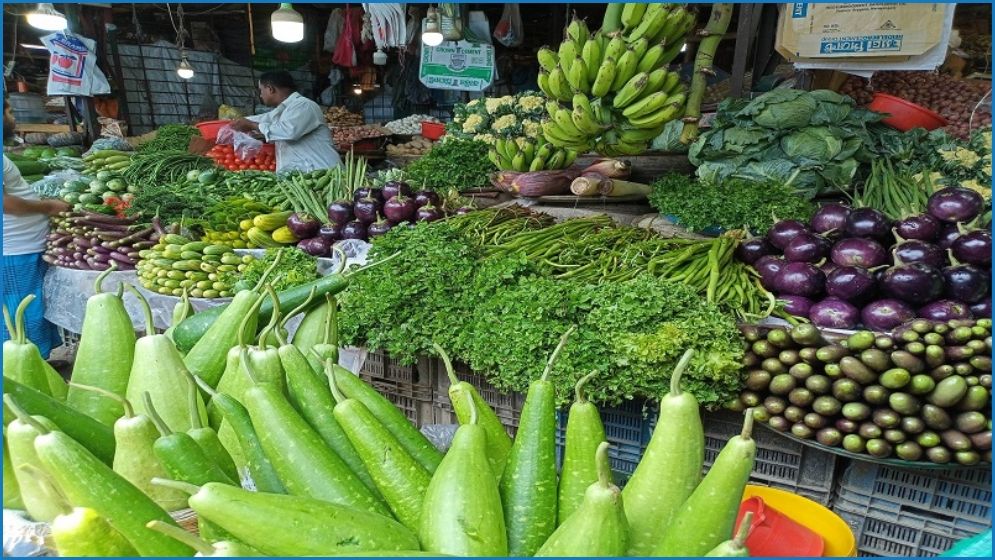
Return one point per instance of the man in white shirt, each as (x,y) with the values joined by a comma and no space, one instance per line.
(296,125)
(25,225)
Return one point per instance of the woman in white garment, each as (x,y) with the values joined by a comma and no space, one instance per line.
(296,125)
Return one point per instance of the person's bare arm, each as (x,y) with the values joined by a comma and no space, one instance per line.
(17,206)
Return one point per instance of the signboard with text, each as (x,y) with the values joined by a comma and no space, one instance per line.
(458,66)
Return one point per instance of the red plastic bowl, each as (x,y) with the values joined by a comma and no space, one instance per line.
(775,534)
(432,131)
(904,115)
(209,129)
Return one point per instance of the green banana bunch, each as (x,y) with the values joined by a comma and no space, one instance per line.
(524,154)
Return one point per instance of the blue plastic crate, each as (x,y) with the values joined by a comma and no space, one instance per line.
(905,535)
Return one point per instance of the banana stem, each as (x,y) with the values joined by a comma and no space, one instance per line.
(712,35)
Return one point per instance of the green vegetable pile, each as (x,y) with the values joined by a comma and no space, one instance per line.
(151,169)
(729,204)
(502,314)
(814,141)
(451,164)
(170,138)
(295,268)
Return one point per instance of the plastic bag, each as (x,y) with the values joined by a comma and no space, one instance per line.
(110,144)
(246,147)
(51,185)
(333,30)
(345,50)
(73,68)
(508,30)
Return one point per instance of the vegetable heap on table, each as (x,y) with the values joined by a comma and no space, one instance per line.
(224,156)
(853,266)
(729,204)
(176,264)
(813,141)
(170,138)
(159,168)
(295,268)
(311,436)
(922,393)
(451,164)
(92,241)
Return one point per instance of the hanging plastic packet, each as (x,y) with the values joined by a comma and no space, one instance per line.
(508,30)
(246,147)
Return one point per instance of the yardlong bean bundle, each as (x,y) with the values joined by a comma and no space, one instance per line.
(159,168)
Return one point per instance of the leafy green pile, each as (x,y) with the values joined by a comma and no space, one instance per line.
(170,137)
(452,163)
(503,317)
(813,141)
(296,267)
(731,204)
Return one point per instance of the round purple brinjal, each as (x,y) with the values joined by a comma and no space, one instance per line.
(973,247)
(354,230)
(303,225)
(340,212)
(330,232)
(394,188)
(868,222)
(945,310)
(922,227)
(914,250)
(834,313)
(827,267)
(914,283)
(378,228)
(798,306)
(315,246)
(830,219)
(366,209)
(800,279)
(423,198)
(955,204)
(752,249)
(982,309)
(400,208)
(768,267)
(368,192)
(428,213)
(807,247)
(850,283)
(781,233)
(853,251)
(965,282)
(886,314)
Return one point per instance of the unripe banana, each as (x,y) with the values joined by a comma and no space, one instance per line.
(637,135)
(606,77)
(567,53)
(529,149)
(547,59)
(602,114)
(669,30)
(543,81)
(657,79)
(592,57)
(673,84)
(519,163)
(584,122)
(558,85)
(557,160)
(632,14)
(677,30)
(668,113)
(616,46)
(577,76)
(651,60)
(627,149)
(510,149)
(538,164)
(583,103)
(640,46)
(552,106)
(571,157)
(626,69)
(578,32)
(564,121)
(679,98)
(653,20)
(495,159)
(652,102)
(631,90)
(555,136)
(544,151)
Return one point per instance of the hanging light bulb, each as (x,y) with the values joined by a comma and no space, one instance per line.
(287,24)
(184,70)
(47,18)
(431,33)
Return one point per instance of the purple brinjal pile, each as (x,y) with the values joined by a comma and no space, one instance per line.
(92,241)
(921,393)
(854,266)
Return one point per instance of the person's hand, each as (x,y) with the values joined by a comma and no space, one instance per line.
(54,206)
(243,125)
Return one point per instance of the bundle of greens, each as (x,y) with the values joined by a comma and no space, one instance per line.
(295,268)
(814,141)
(728,204)
(170,137)
(451,164)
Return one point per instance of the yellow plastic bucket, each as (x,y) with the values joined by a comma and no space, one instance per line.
(837,535)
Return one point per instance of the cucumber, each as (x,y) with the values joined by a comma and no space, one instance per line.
(670,468)
(598,526)
(585,432)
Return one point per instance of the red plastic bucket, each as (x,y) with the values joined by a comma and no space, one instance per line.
(209,129)
(904,115)
(432,131)
(775,534)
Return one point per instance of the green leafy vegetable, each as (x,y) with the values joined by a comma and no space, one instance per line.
(170,137)
(295,268)
(451,164)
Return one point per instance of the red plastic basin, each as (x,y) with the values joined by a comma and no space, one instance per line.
(904,115)
(209,129)
(775,534)
(432,131)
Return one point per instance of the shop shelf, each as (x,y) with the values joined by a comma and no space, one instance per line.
(780,463)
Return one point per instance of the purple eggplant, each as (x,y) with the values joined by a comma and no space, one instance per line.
(427,197)
(807,247)
(948,234)
(850,283)
(974,247)
(834,313)
(868,222)
(378,228)
(915,283)
(798,306)
(865,253)
(886,314)
(830,219)
(945,310)
(982,309)
(800,279)
(340,212)
(394,188)
(914,250)
(965,282)
(428,213)
(354,230)
(366,209)
(315,246)
(330,232)
(752,249)
(768,267)
(368,192)
(781,233)
(400,208)
(303,225)
(922,227)
(955,204)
